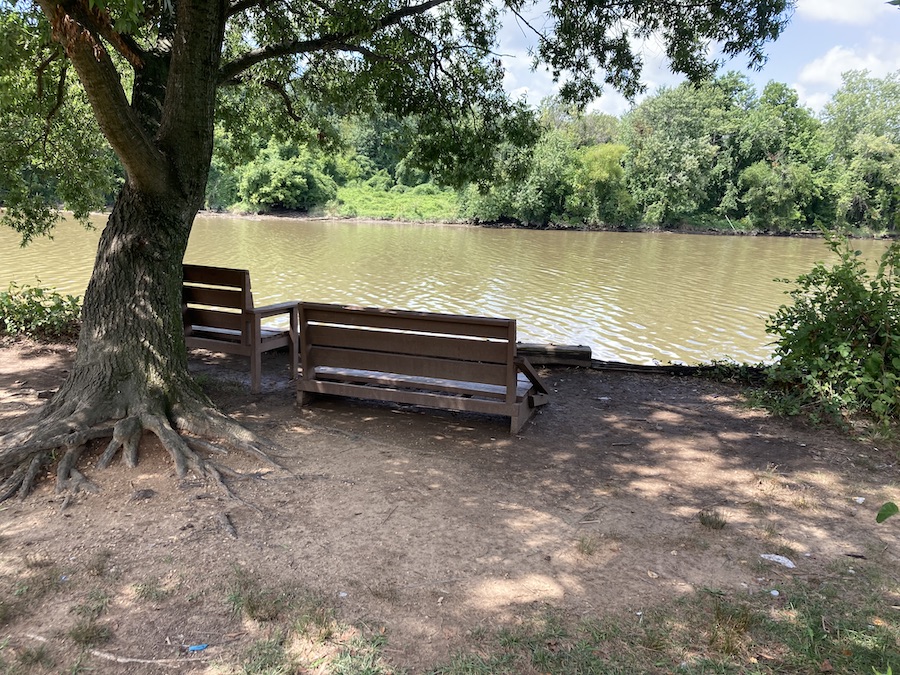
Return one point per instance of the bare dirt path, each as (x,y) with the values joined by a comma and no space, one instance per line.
(429,524)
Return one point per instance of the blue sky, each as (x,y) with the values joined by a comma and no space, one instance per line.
(824,39)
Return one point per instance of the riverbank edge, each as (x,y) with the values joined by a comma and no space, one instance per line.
(551,227)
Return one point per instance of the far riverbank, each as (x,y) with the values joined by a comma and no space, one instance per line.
(718,229)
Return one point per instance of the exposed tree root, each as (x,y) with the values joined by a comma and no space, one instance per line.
(25,453)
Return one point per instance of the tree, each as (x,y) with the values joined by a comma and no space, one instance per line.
(862,132)
(672,153)
(153,73)
(780,174)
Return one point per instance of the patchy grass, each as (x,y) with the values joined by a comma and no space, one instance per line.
(151,590)
(826,626)
(712,519)
(88,632)
(587,545)
(842,622)
(303,632)
(95,604)
(36,656)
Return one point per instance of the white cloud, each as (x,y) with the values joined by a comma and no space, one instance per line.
(853,12)
(821,77)
(879,58)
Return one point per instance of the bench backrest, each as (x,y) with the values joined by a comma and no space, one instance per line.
(420,344)
(215,297)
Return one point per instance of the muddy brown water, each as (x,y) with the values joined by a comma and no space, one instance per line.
(636,297)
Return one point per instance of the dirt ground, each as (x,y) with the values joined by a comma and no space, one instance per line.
(427,524)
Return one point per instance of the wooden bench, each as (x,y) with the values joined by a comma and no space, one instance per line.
(218,312)
(439,360)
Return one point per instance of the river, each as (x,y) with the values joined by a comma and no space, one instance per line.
(635,297)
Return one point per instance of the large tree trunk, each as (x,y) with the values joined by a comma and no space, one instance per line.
(131,356)
(130,373)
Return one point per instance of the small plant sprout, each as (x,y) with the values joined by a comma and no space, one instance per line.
(712,519)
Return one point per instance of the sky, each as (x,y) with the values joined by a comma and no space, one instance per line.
(824,39)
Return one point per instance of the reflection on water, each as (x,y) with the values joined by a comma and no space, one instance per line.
(631,297)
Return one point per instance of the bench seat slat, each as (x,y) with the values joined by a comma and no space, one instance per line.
(400,381)
(232,335)
(424,398)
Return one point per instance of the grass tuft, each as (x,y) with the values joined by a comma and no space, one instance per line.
(151,591)
(712,519)
(88,633)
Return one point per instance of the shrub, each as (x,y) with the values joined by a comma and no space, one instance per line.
(38,312)
(838,344)
(283,177)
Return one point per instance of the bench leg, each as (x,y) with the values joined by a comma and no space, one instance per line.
(294,346)
(256,371)
(520,417)
(304,397)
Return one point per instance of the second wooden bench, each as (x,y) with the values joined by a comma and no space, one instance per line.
(466,363)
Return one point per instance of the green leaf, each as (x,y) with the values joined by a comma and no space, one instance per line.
(886,511)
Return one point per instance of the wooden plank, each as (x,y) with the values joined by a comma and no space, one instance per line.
(402,396)
(525,366)
(418,366)
(212,318)
(217,276)
(551,354)
(414,344)
(378,379)
(424,322)
(213,297)
(226,334)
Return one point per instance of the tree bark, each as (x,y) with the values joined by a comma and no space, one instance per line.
(130,373)
(131,356)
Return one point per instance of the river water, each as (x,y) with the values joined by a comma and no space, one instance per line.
(636,297)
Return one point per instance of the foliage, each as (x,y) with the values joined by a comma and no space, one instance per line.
(838,343)
(51,150)
(425,202)
(285,177)
(670,163)
(38,312)
(887,510)
(862,132)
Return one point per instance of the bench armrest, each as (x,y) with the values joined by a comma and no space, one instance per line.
(272,310)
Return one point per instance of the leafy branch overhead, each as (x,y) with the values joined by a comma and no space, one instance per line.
(290,61)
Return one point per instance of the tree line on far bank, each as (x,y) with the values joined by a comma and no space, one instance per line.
(716,156)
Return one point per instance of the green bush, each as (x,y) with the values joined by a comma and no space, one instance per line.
(38,312)
(284,177)
(838,344)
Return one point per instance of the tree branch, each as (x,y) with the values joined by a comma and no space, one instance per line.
(346,41)
(243,6)
(289,107)
(143,163)
(100,24)
(60,99)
